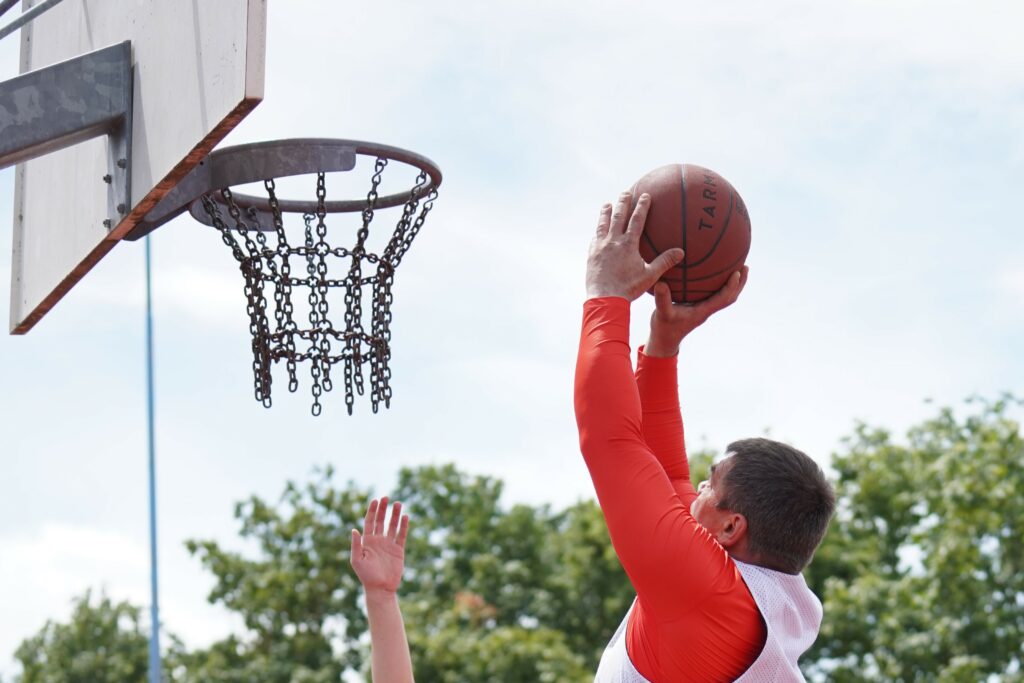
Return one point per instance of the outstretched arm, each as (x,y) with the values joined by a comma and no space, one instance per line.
(653,533)
(657,377)
(661,546)
(378,558)
(657,382)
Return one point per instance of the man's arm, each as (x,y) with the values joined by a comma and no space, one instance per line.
(661,546)
(670,560)
(378,558)
(657,377)
(389,651)
(656,380)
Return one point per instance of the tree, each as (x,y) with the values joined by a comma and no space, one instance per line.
(484,581)
(922,576)
(296,599)
(103,643)
(922,571)
(491,593)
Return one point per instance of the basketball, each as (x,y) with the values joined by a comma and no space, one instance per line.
(699,211)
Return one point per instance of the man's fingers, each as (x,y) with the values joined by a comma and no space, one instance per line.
(403,531)
(734,285)
(663,298)
(663,262)
(639,217)
(604,220)
(744,271)
(371,513)
(620,214)
(725,296)
(382,513)
(357,544)
(396,514)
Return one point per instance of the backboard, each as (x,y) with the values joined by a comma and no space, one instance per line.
(198,69)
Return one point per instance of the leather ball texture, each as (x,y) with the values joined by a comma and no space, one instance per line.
(698,210)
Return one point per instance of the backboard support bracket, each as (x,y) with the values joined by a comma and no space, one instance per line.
(193,78)
(76,100)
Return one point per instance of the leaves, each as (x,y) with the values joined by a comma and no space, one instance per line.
(490,593)
(299,598)
(103,643)
(923,568)
(922,576)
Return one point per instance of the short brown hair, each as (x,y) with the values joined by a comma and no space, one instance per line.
(785,498)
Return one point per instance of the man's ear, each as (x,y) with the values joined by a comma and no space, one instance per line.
(733,531)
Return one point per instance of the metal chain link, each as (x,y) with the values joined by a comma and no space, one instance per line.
(283,291)
(265,265)
(249,263)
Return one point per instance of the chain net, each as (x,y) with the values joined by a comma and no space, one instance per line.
(276,272)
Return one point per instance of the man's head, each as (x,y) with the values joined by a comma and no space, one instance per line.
(768,500)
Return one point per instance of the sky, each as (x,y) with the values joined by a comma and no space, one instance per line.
(879,146)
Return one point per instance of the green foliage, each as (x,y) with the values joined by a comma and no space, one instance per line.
(490,593)
(922,576)
(544,589)
(297,597)
(700,465)
(458,653)
(103,643)
(923,569)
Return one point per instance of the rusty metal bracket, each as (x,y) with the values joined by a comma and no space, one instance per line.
(76,100)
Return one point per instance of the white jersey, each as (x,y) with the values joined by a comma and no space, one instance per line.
(792,614)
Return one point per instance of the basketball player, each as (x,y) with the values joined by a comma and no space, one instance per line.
(716,570)
(378,558)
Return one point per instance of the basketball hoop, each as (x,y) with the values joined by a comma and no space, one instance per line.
(275,269)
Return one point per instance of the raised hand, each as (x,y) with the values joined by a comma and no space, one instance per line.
(670,322)
(614,264)
(378,556)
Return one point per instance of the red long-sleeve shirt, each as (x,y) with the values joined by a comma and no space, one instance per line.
(694,619)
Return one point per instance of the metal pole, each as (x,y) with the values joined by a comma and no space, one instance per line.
(27,17)
(6,5)
(154,639)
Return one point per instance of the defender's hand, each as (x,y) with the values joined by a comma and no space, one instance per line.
(378,557)
(670,322)
(614,264)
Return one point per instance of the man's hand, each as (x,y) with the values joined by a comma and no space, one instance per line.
(671,322)
(379,557)
(614,265)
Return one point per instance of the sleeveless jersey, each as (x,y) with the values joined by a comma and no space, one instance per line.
(792,615)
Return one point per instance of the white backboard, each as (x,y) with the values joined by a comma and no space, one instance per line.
(198,70)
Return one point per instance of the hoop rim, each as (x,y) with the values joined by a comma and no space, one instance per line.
(254,162)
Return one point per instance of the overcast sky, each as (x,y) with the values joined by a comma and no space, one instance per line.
(878,144)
